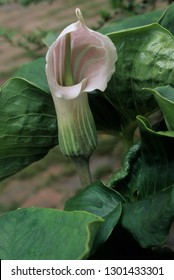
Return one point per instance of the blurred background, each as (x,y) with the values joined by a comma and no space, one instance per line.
(23,26)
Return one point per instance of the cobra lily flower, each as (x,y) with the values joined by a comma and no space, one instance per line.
(79,61)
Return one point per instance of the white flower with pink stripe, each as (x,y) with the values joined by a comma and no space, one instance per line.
(86,55)
(79,61)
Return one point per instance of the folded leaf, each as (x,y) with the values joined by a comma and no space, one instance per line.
(165,99)
(47,234)
(101,201)
(149,219)
(147,167)
(156,162)
(122,177)
(146,180)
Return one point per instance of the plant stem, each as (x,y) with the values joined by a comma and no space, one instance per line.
(127,135)
(127,141)
(83,170)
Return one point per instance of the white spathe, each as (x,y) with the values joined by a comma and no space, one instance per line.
(79,61)
(93,57)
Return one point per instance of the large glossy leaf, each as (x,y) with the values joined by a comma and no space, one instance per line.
(165,99)
(145,59)
(164,18)
(147,182)
(47,234)
(131,22)
(101,201)
(28,126)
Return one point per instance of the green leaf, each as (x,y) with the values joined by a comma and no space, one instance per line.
(131,22)
(122,176)
(148,166)
(145,59)
(149,219)
(156,163)
(50,38)
(165,99)
(167,19)
(34,73)
(28,126)
(146,180)
(47,234)
(101,201)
